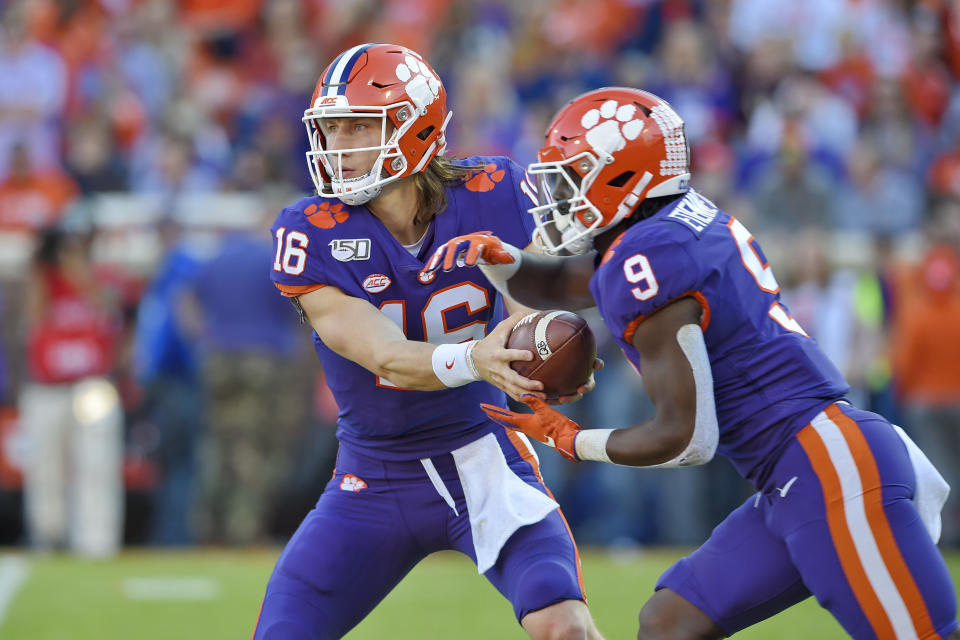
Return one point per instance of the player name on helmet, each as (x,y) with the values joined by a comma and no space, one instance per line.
(695,211)
(376,282)
(347,249)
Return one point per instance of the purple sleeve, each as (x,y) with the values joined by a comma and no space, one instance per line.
(298,265)
(525,194)
(639,278)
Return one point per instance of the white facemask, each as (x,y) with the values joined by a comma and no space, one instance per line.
(356,191)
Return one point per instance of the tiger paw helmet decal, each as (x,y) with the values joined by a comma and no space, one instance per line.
(422,84)
(609,127)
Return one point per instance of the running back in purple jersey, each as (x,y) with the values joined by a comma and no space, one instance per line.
(323,242)
(769,376)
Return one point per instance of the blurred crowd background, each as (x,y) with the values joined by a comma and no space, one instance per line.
(145,145)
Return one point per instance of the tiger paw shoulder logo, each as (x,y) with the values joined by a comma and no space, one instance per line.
(326,215)
(352,483)
(486,179)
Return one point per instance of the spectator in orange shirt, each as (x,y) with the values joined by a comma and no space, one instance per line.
(926,349)
(32,199)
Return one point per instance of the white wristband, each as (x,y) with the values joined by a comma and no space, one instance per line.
(591,444)
(451,364)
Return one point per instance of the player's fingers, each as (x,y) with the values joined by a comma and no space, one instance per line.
(507,324)
(493,410)
(514,390)
(566,399)
(509,355)
(535,403)
(474,251)
(526,431)
(588,386)
(499,418)
(450,256)
(434,261)
(498,255)
(516,394)
(514,379)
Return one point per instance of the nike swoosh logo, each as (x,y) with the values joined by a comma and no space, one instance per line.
(786,487)
(549,442)
(449,365)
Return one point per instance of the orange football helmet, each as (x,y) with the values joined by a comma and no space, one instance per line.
(383,81)
(606,152)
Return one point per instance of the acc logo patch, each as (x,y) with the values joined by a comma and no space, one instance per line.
(347,249)
(376,282)
(352,483)
(331,101)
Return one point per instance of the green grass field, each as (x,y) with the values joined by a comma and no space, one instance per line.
(214,594)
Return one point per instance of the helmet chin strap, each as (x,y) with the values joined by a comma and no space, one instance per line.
(356,191)
(362,189)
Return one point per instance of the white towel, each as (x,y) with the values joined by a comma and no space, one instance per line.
(498,501)
(931,489)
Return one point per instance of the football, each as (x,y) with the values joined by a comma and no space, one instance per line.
(563,349)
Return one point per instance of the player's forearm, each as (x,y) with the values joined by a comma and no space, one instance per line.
(647,444)
(684,432)
(547,282)
(356,330)
(406,364)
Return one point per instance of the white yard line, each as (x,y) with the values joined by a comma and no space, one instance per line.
(171,588)
(13,572)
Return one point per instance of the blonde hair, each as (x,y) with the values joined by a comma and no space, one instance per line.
(432,185)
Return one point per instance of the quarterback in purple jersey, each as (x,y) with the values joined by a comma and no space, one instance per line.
(409,359)
(847,507)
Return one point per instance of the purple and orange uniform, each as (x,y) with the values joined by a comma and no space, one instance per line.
(833,515)
(414,467)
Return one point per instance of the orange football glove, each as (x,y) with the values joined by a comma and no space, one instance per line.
(482,246)
(545,424)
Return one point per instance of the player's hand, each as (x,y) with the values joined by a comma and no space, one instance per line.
(493,359)
(545,424)
(587,387)
(481,246)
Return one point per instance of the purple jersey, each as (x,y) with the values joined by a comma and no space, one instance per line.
(324,242)
(769,377)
